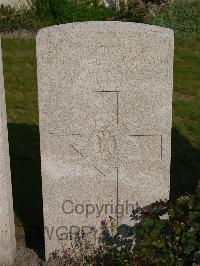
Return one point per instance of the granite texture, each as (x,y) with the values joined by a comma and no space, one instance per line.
(15,3)
(7,229)
(105,102)
(9,2)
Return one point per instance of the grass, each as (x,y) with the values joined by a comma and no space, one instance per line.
(182,16)
(21,95)
(186,117)
(20,80)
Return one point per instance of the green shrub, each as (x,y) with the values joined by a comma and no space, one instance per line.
(183,16)
(47,10)
(42,13)
(174,240)
(168,234)
(65,11)
(12,19)
(9,18)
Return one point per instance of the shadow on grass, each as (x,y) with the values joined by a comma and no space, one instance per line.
(26,177)
(26,180)
(185,166)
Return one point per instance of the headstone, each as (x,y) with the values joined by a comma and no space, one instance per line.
(9,2)
(7,229)
(105,98)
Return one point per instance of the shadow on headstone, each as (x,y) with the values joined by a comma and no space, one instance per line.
(27,186)
(185,166)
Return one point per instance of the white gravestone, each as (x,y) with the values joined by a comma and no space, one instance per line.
(7,229)
(105,100)
(9,2)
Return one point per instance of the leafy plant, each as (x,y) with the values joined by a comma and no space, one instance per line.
(173,239)
(12,19)
(180,15)
(41,13)
(68,10)
(168,234)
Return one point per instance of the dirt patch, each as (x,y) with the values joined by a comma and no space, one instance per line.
(27,257)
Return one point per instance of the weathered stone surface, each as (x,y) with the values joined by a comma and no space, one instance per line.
(14,3)
(7,229)
(9,2)
(105,99)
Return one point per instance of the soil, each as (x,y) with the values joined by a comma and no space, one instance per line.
(32,257)
(28,257)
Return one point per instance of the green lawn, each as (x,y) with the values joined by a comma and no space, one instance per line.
(21,95)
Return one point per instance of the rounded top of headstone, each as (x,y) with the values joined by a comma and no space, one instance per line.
(117,26)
